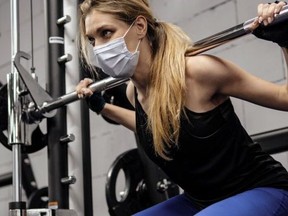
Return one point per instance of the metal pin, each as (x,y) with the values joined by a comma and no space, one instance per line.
(68,180)
(63,20)
(67,138)
(65,58)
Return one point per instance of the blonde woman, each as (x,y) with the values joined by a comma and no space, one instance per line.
(183,115)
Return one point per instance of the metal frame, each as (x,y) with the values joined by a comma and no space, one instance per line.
(15,138)
(56,126)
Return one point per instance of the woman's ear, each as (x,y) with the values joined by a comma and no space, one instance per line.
(141,26)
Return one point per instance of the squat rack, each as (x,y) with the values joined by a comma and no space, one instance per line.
(58,139)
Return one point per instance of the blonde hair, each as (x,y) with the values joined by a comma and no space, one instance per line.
(167,87)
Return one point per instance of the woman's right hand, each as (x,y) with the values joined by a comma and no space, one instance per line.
(82,88)
(96,103)
(95,100)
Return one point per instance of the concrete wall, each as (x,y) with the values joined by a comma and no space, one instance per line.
(199,18)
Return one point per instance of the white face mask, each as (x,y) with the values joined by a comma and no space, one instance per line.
(115,59)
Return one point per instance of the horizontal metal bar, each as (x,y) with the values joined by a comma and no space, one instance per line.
(99,86)
(274,141)
(6,179)
(233,33)
(48,109)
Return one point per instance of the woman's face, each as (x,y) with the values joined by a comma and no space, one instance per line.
(102,28)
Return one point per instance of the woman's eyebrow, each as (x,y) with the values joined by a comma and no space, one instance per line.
(99,29)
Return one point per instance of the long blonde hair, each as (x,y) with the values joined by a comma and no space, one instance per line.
(167,87)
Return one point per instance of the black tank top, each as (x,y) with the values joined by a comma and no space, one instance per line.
(215,157)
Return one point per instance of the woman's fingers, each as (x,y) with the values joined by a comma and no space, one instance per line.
(267,12)
(82,90)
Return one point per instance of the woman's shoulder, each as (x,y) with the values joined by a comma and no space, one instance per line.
(201,67)
(203,62)
(207,75)
(206,67)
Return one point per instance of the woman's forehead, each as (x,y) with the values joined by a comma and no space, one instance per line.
(96,19)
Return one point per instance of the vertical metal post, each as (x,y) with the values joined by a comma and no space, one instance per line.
(14,111)
(86,153)
(56,126)
(86,156)
(14,127)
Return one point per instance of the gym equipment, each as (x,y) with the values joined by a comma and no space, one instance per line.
(5,179)
(20,83)
(44,212)
(278,138)
(15,136)
(235,32)
(3,108)
(38,112)
(136,195)
(50,212)
(37,139)
(38,199)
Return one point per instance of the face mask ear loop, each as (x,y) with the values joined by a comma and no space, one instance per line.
(138,45)
(127,33)
(129,29)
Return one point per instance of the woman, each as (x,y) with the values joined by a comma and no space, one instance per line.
(183,100)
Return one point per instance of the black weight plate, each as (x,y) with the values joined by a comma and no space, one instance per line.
(134,200)
(39,141)
(3,108)
(38,199)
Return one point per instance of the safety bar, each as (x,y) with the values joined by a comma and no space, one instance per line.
(6,179)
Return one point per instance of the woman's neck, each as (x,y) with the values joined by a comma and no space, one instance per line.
(141,77)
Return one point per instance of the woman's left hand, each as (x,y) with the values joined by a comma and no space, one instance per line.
(277,32)
(267,12)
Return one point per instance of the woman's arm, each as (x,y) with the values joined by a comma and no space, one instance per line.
(118,114)
(213,77)
(221,77)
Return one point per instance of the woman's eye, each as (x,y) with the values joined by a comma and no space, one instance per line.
(91,40)
(106,33)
